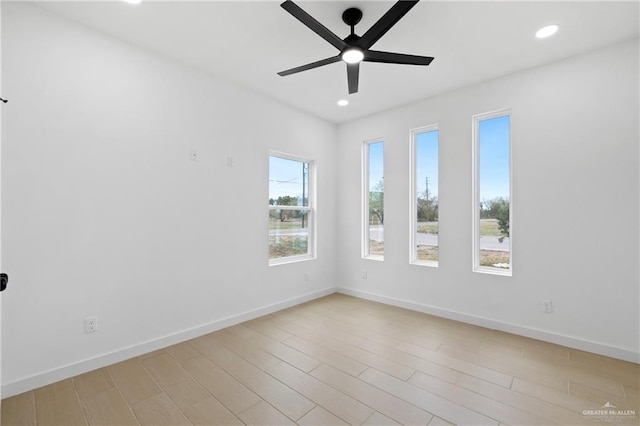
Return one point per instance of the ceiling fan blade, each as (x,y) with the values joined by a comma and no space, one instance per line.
(314,25)
(385,23)
(353,72)
(396,58)
(310,66)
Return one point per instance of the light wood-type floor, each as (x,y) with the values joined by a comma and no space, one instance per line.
(341,360)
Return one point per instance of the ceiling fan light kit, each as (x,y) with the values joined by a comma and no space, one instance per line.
(352,56)
(354,48)
(547,31)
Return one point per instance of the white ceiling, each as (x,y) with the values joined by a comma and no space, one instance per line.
(248,42)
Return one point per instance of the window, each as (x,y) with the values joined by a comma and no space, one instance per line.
(424,196)
(492,193)
(373,191)
(290,209)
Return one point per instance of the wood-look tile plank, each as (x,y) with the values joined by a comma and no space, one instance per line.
(589,358)
(437,421)
(286,400)
(327,356)
(553,396)
(426,338)
(229,391)
(511,367)
(175,381)
(514,339)
(596,394)
(241,330)
(54,387)
(265,327)
(482,404)
(19,410)
(378,419)
(370,359)
(214,350)
(316,330)
(500,351)
(93,383)
(264,414)
(338,403)
(543,350)
(159,410)
(616,372)
(387,404)
(211,412)
(108,408)
(633,396)
(553,413)
(285,353)
(320,417)
(471,368)
(351,316)
(295,329)
(339,325)
(412,361)
(581,373)
(58,404)
(182,352)
(624,367)
(542,354)
(247,350)
(151,354)
(424,348)
(431,402)
(133,381)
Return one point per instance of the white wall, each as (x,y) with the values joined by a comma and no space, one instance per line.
(575,205)
(104,215)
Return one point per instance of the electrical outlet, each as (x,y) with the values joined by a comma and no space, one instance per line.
(90,324)
(364,274)
(193,155)
(229,161)
(547,307)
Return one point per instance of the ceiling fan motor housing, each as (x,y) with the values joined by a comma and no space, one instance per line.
(351,17)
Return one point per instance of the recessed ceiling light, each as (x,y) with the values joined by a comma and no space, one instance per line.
(132,1)
(352,56)
(547,31)
(343,102)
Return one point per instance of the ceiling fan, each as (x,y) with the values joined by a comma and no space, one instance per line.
(354,48)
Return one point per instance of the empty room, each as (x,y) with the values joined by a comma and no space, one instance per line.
(320,212)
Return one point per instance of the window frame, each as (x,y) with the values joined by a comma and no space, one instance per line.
(311,209)
(476,192)
(366,254)
(413,198)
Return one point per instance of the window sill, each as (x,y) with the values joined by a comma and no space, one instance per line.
(493,271)
(292,259)
(376,257)
(428,263)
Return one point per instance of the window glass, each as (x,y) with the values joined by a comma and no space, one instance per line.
(290,209)
(493,193)
(374,211)
(425,196)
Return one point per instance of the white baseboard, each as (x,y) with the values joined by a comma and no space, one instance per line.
(83,366)
(534,333)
